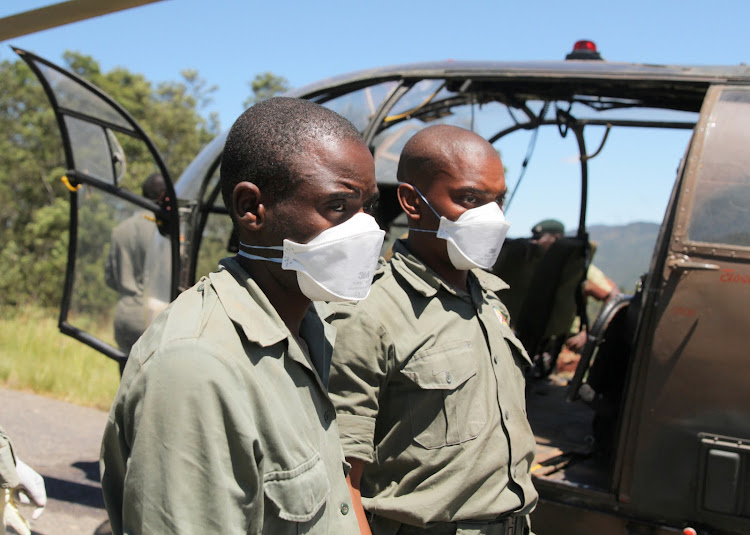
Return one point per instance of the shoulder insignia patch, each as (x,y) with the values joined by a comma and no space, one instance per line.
(502,316)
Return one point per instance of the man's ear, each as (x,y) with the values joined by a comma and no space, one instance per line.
(248,206)
(409,201)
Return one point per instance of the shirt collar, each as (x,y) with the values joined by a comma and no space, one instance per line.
(489,281)
(262,325)
(427,282)
(264,329)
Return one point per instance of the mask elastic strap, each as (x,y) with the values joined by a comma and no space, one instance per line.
(256,257)
(426,201)
(430,207)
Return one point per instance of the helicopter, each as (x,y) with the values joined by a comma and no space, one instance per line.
(651,433)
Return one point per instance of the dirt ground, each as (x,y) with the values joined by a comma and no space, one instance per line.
(61,442)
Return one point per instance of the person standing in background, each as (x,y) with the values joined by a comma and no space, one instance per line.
(126,269)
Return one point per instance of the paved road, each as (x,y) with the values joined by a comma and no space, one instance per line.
(61,442)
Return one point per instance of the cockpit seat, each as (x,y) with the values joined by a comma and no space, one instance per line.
(544,294)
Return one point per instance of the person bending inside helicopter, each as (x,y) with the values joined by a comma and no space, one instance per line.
(596,286)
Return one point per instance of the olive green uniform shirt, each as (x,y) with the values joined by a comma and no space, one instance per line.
(222,423)
(428,383)
(125,270)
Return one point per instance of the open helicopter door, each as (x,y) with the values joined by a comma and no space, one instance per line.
(689,412)
(124,230)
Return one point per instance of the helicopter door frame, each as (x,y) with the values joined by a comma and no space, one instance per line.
(686,299)
(114,119)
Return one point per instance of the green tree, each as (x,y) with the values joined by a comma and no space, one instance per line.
(33,200)
(265,86)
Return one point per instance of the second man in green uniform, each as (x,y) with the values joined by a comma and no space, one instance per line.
(427,376)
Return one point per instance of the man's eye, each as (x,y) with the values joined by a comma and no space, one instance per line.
(370,207)
(339,206)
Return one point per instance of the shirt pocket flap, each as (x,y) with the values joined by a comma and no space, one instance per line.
(298,493)
(514,342)
(444,367)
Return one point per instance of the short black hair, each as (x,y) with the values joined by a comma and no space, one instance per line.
(153,187)
(265,142)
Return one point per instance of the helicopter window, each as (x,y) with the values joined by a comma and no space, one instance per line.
(427,99)
(215,239)
(102,299)
(213,183)
(388,146)
(721,210)
(390,141)
(359,106)
(79,99)
(629,180)
(90,148)
(215,243)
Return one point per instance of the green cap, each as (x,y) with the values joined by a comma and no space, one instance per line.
(551,226)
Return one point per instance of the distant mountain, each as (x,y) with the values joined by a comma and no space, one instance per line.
(623,252)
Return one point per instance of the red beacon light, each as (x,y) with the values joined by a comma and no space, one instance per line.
(584,49)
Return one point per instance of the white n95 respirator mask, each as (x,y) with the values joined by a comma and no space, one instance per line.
(336,265)
(475,238)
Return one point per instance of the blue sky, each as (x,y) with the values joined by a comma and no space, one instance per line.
(229,41)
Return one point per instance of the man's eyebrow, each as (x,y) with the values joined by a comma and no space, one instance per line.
(471,189)
(344,194)
(352,193)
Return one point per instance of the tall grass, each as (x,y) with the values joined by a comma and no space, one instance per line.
(35,356)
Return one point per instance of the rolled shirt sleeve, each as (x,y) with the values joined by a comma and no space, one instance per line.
(362,358)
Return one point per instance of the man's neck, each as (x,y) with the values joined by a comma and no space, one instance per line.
(291,306)
(455,277)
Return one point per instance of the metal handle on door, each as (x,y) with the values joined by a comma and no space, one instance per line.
(684,262)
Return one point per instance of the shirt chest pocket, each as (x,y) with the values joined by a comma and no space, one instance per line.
(515,368)
(446,403)
(297,496)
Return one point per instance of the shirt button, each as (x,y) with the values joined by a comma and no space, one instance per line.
(494,357)
(507,414)
(328,416)
(344,509)
(514,472)
(448,378)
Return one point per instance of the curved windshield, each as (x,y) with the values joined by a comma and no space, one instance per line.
(360,106)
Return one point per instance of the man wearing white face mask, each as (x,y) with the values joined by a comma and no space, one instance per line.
(427,377)
(222,423)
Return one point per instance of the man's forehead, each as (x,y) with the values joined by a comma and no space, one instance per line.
(437,158)
(343,162)
(482,174)
(334,148)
